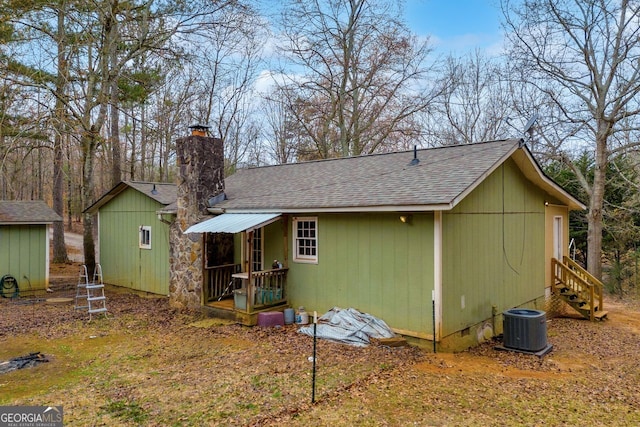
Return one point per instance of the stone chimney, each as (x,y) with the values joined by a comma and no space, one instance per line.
(200,161)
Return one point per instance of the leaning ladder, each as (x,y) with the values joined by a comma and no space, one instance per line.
(91,292)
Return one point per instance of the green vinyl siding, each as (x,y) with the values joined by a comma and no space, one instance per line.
(371,262)
(273,243)
(23,252)
(493,249)
(123,262)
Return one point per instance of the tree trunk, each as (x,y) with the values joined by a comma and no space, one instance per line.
(116,152)
(596,203)
(59,247)
(143,143)
(88,150)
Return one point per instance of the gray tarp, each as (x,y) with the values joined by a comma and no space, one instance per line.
(349,326)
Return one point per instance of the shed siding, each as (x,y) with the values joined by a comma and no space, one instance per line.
(371,262)
(123,262)
(23,252)
(493,249)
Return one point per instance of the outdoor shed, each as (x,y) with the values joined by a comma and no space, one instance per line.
(24,243)
(133,236)
(436,242)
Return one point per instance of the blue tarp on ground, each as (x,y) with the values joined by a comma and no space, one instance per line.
(349,326)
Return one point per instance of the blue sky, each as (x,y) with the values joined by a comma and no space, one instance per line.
(457,26)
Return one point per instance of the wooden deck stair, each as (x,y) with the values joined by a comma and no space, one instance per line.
(578,288)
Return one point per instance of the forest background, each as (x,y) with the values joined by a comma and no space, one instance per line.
(93,93)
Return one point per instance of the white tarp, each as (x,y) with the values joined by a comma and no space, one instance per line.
(349,326)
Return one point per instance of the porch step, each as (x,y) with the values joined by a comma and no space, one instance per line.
(600,315)
(578,288)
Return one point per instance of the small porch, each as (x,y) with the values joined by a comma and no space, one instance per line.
(239,291)
(230,294)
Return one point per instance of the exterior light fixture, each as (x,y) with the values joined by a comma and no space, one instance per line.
(405,219)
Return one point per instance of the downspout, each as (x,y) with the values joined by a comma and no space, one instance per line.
(437,277)
(162,220)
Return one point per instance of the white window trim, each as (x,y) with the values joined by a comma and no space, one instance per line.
(261,249)
(141,231)
(296,257)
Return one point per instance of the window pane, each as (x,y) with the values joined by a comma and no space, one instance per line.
(305,240)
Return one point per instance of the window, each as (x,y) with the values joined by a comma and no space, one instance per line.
(256,256)
(144,241)
(305,239)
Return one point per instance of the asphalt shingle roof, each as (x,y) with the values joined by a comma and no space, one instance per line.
(386,181)
(165,193)
(372,181)
(27,212)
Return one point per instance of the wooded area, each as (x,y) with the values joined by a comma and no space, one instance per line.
(94,93)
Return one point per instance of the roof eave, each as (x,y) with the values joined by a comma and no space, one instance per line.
(107,197)
(48,222)
(345,209)
(530,168)
(115,191)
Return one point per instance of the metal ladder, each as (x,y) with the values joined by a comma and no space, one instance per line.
(91,292)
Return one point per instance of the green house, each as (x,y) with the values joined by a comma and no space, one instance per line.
(24,246)
(436,242)
(133,236)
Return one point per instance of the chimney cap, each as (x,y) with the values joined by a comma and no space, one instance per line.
(199,127)
(199,130)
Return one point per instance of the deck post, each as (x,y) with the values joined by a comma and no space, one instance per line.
(285,246)
(250,284)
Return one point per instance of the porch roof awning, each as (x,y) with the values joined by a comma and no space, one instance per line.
(233,223)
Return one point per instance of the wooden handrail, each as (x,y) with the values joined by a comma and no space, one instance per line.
(218,281)
(270,286)
(598,287)
(581,282)
(577,267)
(220,267)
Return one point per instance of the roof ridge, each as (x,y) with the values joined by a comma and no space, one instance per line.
(305,162)
(149,182)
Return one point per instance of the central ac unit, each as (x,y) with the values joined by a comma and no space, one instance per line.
(525,329)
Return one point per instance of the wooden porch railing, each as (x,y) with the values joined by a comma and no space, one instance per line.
(219,282)
(584,285)
(270,286)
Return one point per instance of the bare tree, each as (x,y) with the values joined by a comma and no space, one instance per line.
(583,55)
(474,102)
(280,129)
(226,72)
(363,73)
